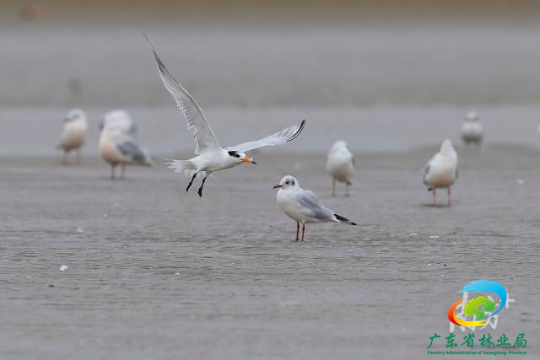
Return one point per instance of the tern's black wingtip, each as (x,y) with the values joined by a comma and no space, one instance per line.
(298,131)
(148,42)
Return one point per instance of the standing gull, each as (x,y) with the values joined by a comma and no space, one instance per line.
(211,156)
(472,130)
(442,170)
(118,148)
(304,206)
(73,134)
(340,165)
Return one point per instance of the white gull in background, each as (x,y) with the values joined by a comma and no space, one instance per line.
(340,165)
(472,130)
(118,148)
(121,120)
(303,206)
(211,156)
(73,134)
(442,170)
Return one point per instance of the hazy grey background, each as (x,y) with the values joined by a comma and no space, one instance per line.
(151,277)
(383,70)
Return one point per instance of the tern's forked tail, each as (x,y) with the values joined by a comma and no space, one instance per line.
(181,166)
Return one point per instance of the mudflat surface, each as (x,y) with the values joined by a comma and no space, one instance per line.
(155,272)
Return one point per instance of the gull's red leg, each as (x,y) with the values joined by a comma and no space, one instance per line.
(303,231)
(297,231)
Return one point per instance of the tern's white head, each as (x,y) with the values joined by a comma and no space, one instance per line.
(241,157)
(472,116)
(447,148)
(288,182)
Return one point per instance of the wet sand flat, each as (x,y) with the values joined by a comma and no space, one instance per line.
(158,273)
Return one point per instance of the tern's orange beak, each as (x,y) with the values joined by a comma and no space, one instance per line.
(247,159)
(278,186)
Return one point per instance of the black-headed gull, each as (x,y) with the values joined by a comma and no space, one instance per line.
(303,206)
(211,156)
(472,131)
(340,165)
(118,148)
(121,120)
(73,134)
(442,170)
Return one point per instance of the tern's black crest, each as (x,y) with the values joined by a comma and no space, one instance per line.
(234,154)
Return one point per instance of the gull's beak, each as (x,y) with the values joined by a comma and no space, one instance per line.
(278,186)
(247,159)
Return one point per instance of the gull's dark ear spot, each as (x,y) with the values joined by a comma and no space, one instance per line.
(292,182)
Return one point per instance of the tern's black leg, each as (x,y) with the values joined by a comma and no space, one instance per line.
(202,185)
(191,182)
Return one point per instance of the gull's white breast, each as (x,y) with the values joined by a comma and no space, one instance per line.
(472,130)
(109,151)
(442,172)
(340,165)
(73,134)
(288,202)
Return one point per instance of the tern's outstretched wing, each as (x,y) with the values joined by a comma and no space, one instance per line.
(204,136)
(278,138)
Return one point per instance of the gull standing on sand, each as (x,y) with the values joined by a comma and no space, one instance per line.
(73,134)
(472,131)
(118,148)
(121,120)
(303,206)
(211,156)
(442,170)
(340,165)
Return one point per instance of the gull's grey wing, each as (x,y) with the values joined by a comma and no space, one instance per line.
(426,172)
(132,151)
(427,168)
(278,138)
(204,136)
(313,207)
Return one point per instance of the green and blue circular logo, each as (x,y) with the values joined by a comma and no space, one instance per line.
(480,305)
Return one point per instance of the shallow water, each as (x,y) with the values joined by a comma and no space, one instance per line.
(35,131)
(157,271)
